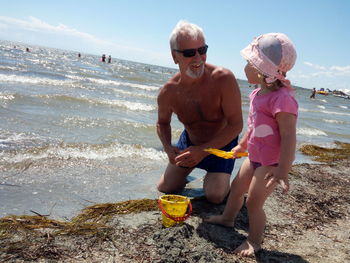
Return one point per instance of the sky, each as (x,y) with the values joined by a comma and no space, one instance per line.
(138,30)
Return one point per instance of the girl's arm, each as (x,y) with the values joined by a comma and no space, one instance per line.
(242,144)
(287,127)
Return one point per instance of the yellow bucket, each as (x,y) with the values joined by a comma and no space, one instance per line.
(174,208)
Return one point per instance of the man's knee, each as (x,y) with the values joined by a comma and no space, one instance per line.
(167,189)
(162,188)
(215,197)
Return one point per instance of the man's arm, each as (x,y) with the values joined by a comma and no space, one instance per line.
(163,124)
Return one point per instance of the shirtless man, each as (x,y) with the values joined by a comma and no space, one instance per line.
(207,100)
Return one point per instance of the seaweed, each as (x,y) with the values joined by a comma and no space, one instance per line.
(103,212)
(32,237)
(327,155)
(90,221)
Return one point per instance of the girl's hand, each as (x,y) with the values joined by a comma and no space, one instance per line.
(274,177)
(237,149)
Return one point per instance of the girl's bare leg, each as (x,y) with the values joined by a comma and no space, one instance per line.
(257,196)
(239,187)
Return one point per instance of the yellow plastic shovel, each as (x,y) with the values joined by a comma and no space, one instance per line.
(225,155)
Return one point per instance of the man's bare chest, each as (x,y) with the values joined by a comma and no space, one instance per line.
(198,107)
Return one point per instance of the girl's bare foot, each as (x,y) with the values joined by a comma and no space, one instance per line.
(219,220)
(247,249)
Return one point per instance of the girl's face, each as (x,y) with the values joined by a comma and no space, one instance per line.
(252,74)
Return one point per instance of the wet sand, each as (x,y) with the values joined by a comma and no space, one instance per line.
(310,224)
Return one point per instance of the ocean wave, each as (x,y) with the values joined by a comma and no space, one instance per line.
(88,122)
(114,83)
(126,84)
(82,151)
(8,68)
(134,94)
(343,107)
(71,81)
(321,107)
(6,96)
(34,80)
(310,132)
(335,113)
(334,121)
(133,106)
(10,140)
(303,109)
(323,111)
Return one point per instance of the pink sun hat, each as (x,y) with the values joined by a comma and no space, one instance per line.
(273,54)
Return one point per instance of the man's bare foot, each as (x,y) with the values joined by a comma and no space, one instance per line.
(219,220)
(247,249)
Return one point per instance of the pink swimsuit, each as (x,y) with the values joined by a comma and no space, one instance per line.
(264,139)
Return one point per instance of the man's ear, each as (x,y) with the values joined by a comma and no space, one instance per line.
(174,57)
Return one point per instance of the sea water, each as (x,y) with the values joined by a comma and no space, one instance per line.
(76,131)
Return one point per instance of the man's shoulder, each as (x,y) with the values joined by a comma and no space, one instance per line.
(172,82)
(218,72)
(170,85)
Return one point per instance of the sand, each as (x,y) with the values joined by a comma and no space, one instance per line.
(309,224)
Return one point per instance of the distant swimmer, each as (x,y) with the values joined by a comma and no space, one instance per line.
(103,59)
(79,55)
(27,49)
(312,96)
(109,59)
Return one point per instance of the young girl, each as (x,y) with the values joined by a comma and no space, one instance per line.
(270,139)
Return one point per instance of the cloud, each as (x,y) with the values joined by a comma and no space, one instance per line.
(37,25)
(333,71)
(340,69)
(63,36)
(314,65)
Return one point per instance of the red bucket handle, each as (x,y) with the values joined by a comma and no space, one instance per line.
(177,219)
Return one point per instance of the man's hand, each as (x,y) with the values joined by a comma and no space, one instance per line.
(172,152)
(190,157)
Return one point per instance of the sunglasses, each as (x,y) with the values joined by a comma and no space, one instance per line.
(192,51)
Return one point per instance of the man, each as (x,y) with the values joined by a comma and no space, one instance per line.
(313,93)
(207,100)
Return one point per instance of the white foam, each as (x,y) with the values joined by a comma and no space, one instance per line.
(333,121)
(118,83)
(343,107)
(303,109)
(33,80)
(47,81)
(133,94)
(324,111)
(335,113)
(89,152)
(8,140)
(134,106)
(7,68)
(4,96)
(310,132)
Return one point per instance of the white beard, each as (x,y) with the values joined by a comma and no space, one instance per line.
(195,74)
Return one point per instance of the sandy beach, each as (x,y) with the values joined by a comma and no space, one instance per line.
(310,224)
